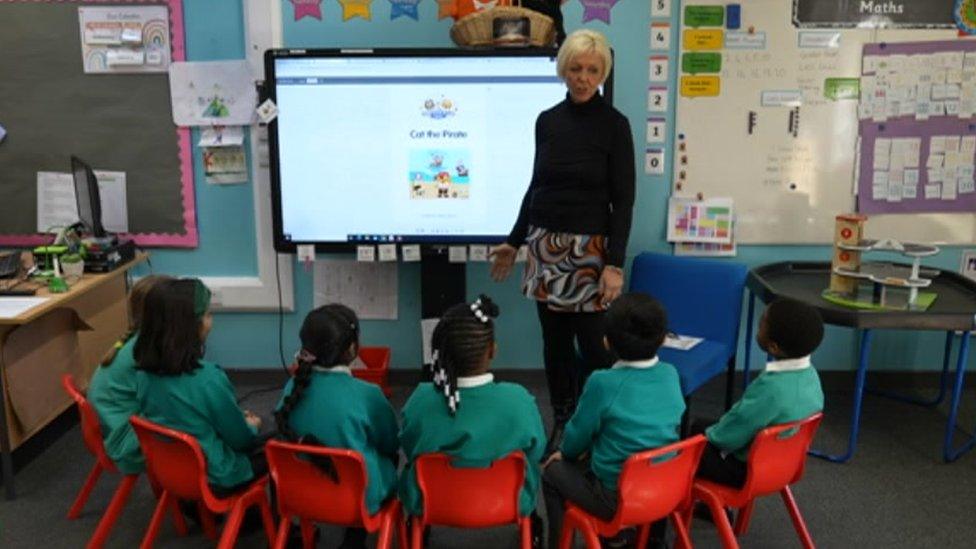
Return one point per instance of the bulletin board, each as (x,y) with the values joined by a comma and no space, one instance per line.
(918,132)
(51,109)
(767,114)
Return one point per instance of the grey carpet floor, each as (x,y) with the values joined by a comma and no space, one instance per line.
(896,492)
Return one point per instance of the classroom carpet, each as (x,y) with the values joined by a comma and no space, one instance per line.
(896,492)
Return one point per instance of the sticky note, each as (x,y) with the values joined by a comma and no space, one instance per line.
(478,252)
(700,86)
(411,252)
(700,40)
(733,16)
(388,252)
(365,253)
(457,254)
(933,191)
(305,252)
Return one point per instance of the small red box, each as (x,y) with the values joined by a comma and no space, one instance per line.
(377,361)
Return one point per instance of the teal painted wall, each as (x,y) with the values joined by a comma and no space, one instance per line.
(215,30)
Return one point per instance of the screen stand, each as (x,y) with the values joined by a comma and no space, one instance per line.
(442,284)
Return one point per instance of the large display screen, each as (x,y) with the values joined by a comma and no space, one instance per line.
(428,146)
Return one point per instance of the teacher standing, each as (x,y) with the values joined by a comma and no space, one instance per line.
(575,220)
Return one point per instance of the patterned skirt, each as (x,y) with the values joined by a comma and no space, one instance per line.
(563,270)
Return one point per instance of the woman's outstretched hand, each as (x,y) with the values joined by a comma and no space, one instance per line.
(502,260)
(611,284)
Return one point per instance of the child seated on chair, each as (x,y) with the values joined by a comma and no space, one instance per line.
(634,406)
(788,390)
(465,413)
(179,390)
(324,404)
(113,388)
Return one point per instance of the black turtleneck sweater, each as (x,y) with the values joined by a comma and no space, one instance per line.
(583,177)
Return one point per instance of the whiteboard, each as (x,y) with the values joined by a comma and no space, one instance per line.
(788,186)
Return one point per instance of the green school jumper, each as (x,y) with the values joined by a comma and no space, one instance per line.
(632,407)
(202,403)
(344,412)
(788,390)
(492,420)
(114,395)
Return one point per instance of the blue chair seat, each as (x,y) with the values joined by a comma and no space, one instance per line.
(697,365)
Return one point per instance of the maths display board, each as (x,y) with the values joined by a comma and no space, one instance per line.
(766,114)
(918,134)
(51,109)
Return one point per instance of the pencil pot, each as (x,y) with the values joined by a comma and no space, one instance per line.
(377,367)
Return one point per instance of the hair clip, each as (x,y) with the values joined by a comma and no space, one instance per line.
(305,356)
(476,310)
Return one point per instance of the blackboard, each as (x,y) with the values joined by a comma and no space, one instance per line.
(51,109)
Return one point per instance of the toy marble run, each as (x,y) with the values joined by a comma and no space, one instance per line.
(848,272)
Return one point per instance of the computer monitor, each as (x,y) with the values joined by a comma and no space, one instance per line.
(87,197)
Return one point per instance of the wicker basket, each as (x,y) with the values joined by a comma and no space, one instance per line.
(475,29)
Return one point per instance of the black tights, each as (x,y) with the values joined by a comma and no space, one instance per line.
(567,371)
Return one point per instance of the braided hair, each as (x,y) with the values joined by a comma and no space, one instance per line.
(137,296)
(460,341)
(327,335)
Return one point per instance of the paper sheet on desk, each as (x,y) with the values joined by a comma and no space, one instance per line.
(12,307)
(680,342)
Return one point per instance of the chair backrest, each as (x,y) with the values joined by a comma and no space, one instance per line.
(703,297)
(778,455)
(173,459)
(306,491)
(470,497)
(91,427)
(654,483)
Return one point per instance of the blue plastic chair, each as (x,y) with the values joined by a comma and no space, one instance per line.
(703,298)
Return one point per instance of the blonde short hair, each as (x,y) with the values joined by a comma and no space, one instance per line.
(580,42)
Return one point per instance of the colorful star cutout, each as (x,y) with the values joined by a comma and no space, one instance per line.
(404,8)
(597,9)
(307,8)
(446,8)
(356,8)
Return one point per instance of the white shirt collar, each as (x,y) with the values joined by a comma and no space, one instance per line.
(334,370)
(636,363)
(789,364)
(468,382)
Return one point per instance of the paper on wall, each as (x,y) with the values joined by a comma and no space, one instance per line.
(57,206)
(368,288)
(207,93)
(124,39)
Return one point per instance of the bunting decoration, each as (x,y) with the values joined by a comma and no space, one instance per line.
(597,9)
(356,8)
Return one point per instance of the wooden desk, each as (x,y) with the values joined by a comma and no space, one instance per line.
(68,334)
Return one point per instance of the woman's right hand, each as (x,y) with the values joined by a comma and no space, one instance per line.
(502,260)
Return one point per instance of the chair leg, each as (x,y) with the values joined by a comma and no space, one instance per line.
(207,522)
(643,534)
(112,512)
(742,518)
(403,540)
(719,518)
(566,535)
(525,531)
(385,538)
(681,537)
(86,490)
(283,528)
(267,519)
(229,536)
(157,520)
(308,534)
(797,518)
(416,533)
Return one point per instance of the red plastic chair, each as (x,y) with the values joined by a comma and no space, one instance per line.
(308,494)
(776,460)
(176,463)
(91,433)
(466,497)
(648,491)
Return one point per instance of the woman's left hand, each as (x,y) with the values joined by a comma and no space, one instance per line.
(611,284)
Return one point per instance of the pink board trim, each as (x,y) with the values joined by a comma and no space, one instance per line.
(190,236)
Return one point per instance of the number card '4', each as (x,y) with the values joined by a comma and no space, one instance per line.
(660,36)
